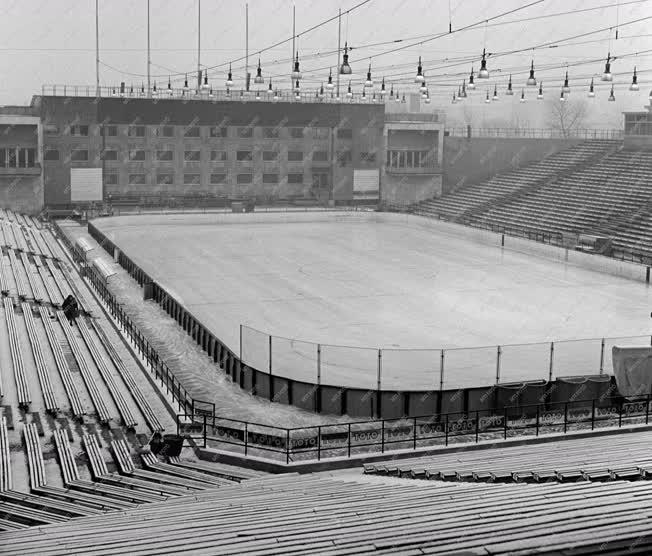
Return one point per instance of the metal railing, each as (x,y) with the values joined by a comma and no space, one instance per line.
(534,133)
(210,95)
(411,433)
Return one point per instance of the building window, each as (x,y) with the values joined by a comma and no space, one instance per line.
(296,132)
(244,156)
(245,132)
(295,178)
(218,131)
(137,179)
(191,179)
(164,131)
(110,131)
(165,156)
(218,179)
(344,158)
(164,179)
(79,155)
(137,155)
(244,179)
(320,156)
(319,181)
(219,156)
(270,178)
(11,158)
(345,134)
(79,130)
(110,179)
(270,156)
(367,157)
(192,156)
(51,129)
(295,156)
(110,155)
(320,132)
(270,132)
(49,154)
(136,131)
(192,131)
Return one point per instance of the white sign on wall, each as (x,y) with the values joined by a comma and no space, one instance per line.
(366,184)
(85,184)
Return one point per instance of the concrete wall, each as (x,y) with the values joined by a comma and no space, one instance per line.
(475,160)
(401,188)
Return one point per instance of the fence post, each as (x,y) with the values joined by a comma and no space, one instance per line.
(270,356)
(537,425)
(378,383)
(382,436)
(319,443)
(477,425)
(647,408)
(287,446)
(349,441)
(592,413)
(602,357)
(414,434)
(552,358)
(505,422)
(565,416)
(498,353)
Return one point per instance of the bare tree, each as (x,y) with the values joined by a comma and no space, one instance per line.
(567,116)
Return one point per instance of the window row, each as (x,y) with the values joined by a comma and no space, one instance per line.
(217,179)
(411,159)
(275,132)
(139,155)
(17,157)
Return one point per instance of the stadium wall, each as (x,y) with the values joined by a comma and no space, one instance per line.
(476,159)
(364,402)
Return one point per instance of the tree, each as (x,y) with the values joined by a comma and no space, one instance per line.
(567,116)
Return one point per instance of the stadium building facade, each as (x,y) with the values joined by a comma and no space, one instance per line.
(73,150)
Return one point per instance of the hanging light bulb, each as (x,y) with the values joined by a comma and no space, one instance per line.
(606,76)
(228,93)
(363,94)
(297,88)
(382,88)
(419,77)
(540,95)
(423,87)
(398,97)
(464,95)
(297,96)
(369,82)
(495,97)
(257,95)
(114,92)
(205,86)
(349,92)
(428,98)
(242,98)
(259,74)
(170,92)
(210,93)
(454,99)
(487,99)
(186,89)
(373,98)
(154,91)
(612,97)
(634,85)
(345,68)
(531,81)
(270,91)
(561,96)
(142,89)
(566,87)
(229,79)
(484,72)
(391,92)
(275,97)
(424,94)
(131,91)
(403,100)
(321,91)
(510,92)
(459,94)
(296,73)
(330,85)
(591,91)
(522,95)
(471,82)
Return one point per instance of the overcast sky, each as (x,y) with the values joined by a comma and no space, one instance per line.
(53,42)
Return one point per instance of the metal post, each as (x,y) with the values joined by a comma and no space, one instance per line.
(446,431)
(477,425)
(204,430)
(339,48)
(602,356)
(246,437)
(414,433)
(270,356)
(505,421)
(382,436)
(198,44)
(349,442)
(537,425)
(287,445)
(592,414)
(441,371)
(319,443)
(294,35)
(552,357)
(247,47)
(565,416)
(149,56)
(318,364)
(498,353)
(97,49)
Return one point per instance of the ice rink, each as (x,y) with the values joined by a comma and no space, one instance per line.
(355,279)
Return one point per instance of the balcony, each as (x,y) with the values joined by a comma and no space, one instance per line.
(420,117)
(32,171)
(415,171)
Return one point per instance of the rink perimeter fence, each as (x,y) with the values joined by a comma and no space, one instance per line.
(497,410)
